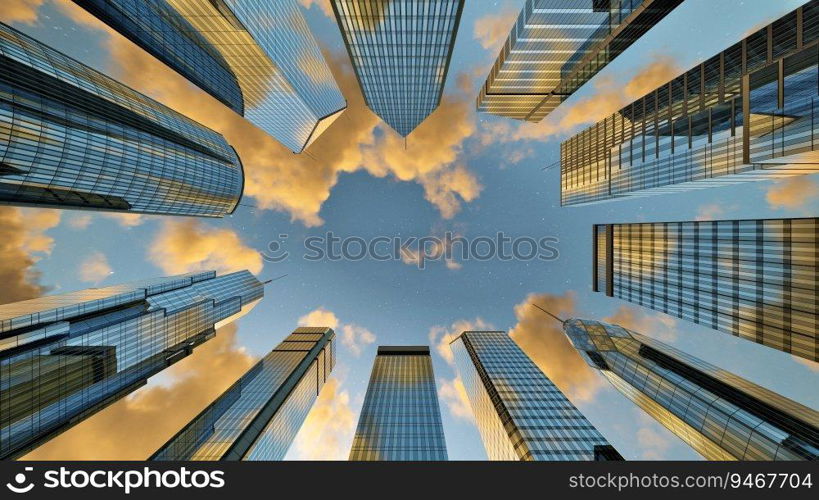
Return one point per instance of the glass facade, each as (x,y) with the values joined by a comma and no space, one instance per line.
(287,88)
(556,46)
(400,419)
(160,30)
(747,113)
(400,51)
(70,137)
(520,413)
(258,417)
(65,357)
(720,415)
(755,279)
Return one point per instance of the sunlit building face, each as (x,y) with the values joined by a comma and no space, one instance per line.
(520,413)
(70,137)
(755,279)
(556,46)
(65,357)
(400,51)
(160,30)
(257,57)
(747,113)
(287,86)
(258,417)
(720,415)
(401,418)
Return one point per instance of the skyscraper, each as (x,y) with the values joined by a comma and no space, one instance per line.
(70,137)
(258,417)
(556,46)
(164,33)
(400,419)
(747,113)
(65,357)
(720,415)
(755,279)
(520,413)
(400,51)
(287,88)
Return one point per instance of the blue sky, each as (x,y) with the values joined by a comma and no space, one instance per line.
(396,302)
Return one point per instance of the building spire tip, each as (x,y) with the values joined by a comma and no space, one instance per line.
(273,279)
(562,322)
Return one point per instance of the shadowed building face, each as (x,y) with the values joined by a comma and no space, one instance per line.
(70,137)
(520,413)
(556,46)
(400,50)
(258,417)
(401,418)
(720,415)
(65,357)
(747,113)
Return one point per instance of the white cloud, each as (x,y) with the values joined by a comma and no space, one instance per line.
(356,338)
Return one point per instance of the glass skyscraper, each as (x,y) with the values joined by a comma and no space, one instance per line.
(400,419)
(556,46)
(258,417)
(287,88)
(70,137)
(520,413)
(755,279)
(65,357)
(722,416)
(400,51)
(745,114)
(164,33)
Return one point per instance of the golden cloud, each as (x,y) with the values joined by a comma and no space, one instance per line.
(79,221)
(441,336)
(352,336)
(120,432)
(711,211)
(20,11)
(94,268)
(543,340)
(493,29)
(356,338)
(793,193)
(185,245)
(323,5)
(21,233)
(812,365)
(327,433)
(37,221)
(320,317)
(453,394)
(126,219)
(80,15)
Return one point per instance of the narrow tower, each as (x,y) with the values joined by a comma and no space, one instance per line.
(401,419)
